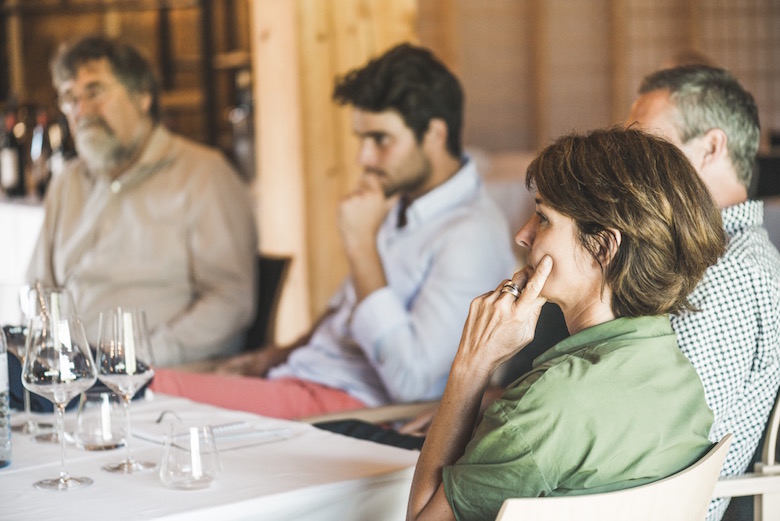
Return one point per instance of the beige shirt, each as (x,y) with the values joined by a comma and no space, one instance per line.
(174,235)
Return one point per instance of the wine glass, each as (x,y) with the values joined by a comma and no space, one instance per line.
(15,312)
(125,364)
(35,300)
(100,421)
(58,366)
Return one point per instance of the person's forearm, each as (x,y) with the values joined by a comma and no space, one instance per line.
(368,274)
(206,327)
(360,216)
(446,441)
(411,337)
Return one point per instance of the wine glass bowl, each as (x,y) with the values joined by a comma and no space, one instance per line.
(58,366)
(125,365)
(19,303)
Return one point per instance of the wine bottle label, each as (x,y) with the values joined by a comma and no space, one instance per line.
(9,167)
(3,372)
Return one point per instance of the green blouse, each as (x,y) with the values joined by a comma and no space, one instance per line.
(612,407)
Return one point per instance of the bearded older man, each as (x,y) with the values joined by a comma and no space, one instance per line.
(144,218)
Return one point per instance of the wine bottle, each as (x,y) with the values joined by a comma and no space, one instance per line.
(58,148)
(11,160)
(40,154)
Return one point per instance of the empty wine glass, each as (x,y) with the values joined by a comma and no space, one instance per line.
(37,299)
(100,421)
(58,366)
(15,313)
(190,458)
(125,364)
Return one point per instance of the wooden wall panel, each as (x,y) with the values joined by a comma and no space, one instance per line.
(326,179)
(437,29)
(16,61)
(618,87)
(392,22)
(279,186)
(583,54)
(541,71)
(744,37)
(495,62)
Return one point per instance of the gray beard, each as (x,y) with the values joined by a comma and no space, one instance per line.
(100,149)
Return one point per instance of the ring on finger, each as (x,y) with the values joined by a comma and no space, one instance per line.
(511,287)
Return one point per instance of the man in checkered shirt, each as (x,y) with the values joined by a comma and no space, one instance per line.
(734,341)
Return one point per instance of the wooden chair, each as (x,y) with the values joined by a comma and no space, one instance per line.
(683,496)
(272,271)
(764,483)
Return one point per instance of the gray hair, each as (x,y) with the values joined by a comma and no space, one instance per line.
(709,97)
(129,66)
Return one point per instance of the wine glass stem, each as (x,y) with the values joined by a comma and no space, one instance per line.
(61,433)
(128,435)
(27,408)
(31,426)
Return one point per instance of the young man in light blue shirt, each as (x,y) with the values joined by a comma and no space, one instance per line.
(422,238)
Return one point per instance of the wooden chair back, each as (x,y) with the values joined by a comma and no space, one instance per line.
(683,496)
(272,271)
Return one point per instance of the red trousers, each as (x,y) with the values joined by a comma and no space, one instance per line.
(287,398)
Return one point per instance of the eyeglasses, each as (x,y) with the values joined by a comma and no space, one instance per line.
(94,93)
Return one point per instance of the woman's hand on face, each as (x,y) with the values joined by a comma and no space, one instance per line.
(500,324)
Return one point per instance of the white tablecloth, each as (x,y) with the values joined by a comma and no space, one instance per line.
(311,475)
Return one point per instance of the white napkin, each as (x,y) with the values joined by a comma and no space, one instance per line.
(228,436)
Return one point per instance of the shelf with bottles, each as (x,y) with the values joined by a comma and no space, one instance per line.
(34,145)
(242,125)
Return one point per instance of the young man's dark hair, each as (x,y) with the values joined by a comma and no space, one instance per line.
(411,81)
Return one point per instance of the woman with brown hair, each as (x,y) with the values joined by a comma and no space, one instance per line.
(624,230)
